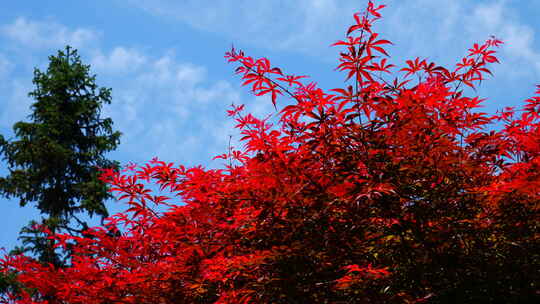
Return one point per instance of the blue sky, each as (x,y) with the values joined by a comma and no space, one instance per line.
(171,85)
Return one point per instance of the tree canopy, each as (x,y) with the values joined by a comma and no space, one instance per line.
(394,189)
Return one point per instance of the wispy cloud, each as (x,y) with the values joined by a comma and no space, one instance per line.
(15,102)
(442,29)
(501,19)
(154,94)
(119,60)
(39,34)
(169,107)
(299,26)
(5,66)
(164,107)
(29,38)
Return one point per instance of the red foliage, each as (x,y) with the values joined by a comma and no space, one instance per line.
(387,191)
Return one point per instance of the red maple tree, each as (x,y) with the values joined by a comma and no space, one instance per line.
(394,189)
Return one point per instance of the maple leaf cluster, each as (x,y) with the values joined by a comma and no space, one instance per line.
(395,189)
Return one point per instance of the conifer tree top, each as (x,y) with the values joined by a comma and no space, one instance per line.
(53,159)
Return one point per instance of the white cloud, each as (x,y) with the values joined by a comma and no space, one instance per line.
(221,90)
(160,101)
(500,19)
(302,25)
(17,103)
(442,29)
(165,71)
(490,15)
(5,66)
(119,60)
(39,34)
(519,40)
(164,107)
(313,29)
(169,107)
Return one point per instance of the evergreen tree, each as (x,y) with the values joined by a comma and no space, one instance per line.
(54,158)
